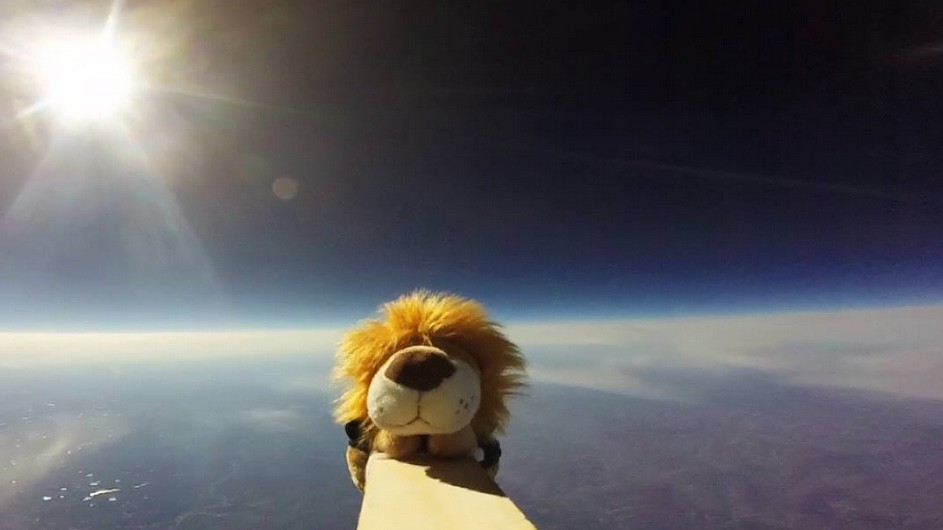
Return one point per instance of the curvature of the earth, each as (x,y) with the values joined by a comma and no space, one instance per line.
(249,443)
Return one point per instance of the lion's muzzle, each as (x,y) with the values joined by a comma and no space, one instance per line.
(424,390)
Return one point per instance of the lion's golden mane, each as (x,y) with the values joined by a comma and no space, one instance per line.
(438,319)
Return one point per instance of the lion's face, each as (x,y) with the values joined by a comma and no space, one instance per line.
(424,390)
(432,364)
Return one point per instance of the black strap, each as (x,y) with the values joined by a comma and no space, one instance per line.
(491,448)
(352,428)
(492,453)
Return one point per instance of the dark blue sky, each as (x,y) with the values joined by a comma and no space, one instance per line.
(552,159)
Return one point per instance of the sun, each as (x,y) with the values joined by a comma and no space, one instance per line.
(84,79)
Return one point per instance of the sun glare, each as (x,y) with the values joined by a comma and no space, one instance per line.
(85,80)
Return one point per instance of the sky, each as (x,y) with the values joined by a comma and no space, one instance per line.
(296,163)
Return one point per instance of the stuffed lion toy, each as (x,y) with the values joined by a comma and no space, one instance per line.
(432,376)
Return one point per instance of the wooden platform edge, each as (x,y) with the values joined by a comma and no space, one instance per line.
(427,493)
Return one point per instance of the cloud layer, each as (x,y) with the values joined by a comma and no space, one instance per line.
(897,350)
(38,349)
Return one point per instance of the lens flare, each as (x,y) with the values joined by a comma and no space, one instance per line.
(85,80)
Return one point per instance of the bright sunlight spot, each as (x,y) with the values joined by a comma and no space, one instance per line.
(85,80)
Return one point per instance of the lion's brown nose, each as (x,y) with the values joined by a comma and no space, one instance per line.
(420,370)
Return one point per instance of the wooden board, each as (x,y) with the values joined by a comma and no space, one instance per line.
(434,494)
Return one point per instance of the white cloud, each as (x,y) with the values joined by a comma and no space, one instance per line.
(897,350)
(275,419)
(24,350)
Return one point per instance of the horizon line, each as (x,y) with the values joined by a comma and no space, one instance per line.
(561,319)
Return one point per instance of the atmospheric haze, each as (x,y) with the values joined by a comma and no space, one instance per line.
(788,420)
